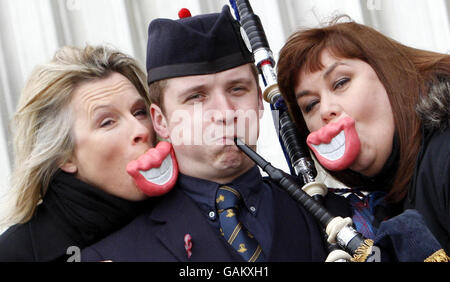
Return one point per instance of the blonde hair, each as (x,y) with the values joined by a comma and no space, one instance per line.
(42,124)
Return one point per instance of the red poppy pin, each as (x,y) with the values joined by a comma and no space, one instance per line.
(188,244)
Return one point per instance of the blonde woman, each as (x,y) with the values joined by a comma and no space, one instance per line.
(81,119)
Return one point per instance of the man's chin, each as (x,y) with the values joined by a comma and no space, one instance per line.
(232,158)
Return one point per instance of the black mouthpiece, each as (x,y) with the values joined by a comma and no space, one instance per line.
(251,154)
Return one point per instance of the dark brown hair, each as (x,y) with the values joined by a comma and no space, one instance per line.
(405,73)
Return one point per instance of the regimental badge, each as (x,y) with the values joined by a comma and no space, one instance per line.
(219,199)
(230,213)
(242,248)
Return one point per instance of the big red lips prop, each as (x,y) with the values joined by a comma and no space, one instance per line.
(156,171)
(336,145)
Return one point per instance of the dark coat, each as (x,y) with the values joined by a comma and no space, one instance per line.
(430,186)
(430,189)
(31,241)
(158,235)
(73,214)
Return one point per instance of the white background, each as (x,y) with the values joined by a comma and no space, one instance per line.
(32,30)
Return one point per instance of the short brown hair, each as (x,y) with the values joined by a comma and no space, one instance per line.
(402,70)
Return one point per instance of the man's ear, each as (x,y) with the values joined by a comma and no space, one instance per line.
(159,121)
(260,103)
(69,167)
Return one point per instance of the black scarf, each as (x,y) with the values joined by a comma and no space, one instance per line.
(380,182)
(386,176)
(87,213)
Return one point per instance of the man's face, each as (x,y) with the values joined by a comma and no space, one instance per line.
(203,114)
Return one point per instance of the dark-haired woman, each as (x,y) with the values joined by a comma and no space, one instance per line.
(376,115)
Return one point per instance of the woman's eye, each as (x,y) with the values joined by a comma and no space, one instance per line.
(106,122)
(340,83)
(310,106)
(141,112)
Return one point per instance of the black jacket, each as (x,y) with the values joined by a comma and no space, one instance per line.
(430,187)
(72,216)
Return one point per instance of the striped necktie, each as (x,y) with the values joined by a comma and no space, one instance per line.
(235,233)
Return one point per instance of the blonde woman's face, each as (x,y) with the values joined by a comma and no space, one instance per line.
(111,128)
(349,88)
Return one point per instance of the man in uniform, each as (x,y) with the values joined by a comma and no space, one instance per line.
(204,92)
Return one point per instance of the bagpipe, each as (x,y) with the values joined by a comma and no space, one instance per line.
(402,238)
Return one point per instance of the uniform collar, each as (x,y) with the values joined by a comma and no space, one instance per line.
(203,192)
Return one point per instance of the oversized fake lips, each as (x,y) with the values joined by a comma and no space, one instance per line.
(336,145)
(156,171)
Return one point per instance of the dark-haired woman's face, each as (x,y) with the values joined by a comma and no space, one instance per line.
(349,88)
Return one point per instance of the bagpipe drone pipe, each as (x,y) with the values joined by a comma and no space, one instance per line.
(401,238)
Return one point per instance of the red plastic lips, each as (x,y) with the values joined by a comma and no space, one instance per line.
(156,171)
(336,145)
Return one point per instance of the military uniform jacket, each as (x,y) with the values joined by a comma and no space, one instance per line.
(157,235)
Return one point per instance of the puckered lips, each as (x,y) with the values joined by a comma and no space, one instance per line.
(156,171)
(336,145)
